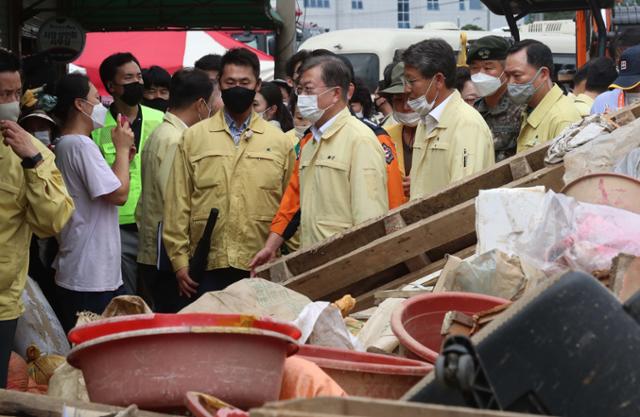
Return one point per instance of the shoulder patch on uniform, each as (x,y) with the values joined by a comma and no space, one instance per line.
(388,153)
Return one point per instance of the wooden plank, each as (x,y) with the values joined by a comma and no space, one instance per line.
(459,192)
(520,168)
(280,272)
(367,299)
(380,254)
(380,296)
(625,115)
(369,407)
(16,403)
(625,276)
(394,223)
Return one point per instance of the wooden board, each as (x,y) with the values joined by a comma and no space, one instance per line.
(453,224)
(15,403)
(497,176)
(368,407)
(625,115)
(367,299)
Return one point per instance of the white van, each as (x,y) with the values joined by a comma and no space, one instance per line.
(371,50)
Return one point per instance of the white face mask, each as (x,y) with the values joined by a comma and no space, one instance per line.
(300,131)
(209,110)
(98,115)
(359,115)
(10,111)
(407,119)
(43,136)
(486,84)
(308,106)
(420,105)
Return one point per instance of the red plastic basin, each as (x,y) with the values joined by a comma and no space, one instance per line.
(133,322)
(417,322)
(155,368)
(367,374)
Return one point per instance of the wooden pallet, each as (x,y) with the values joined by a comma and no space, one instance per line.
(369,407)
(624,116)
(13,403)
(407,243)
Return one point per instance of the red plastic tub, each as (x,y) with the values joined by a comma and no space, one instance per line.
(133,322)
(154,368)
(417,322)
(367,374)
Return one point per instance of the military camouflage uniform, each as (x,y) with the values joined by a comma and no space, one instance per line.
(504,121)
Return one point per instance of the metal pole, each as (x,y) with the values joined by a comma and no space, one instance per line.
(286,35)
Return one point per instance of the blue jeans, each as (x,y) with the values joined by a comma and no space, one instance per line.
(73,302)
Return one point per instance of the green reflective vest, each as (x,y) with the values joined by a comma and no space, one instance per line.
(102,137)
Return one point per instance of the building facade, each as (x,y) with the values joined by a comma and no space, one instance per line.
(347,14)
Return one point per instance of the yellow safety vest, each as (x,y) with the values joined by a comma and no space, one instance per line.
(102,137)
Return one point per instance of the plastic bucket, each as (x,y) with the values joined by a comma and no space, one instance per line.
(155,368)
(417,322)
(367,374)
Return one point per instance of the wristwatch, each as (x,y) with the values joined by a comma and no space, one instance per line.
(31,162)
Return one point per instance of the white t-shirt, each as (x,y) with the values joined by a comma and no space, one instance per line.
(89,256)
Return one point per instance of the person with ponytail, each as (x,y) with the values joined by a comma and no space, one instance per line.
(88,273)
(268,103)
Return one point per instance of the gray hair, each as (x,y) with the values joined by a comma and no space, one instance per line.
(335,72)
(432,56)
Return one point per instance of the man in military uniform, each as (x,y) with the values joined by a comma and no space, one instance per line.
(486,63)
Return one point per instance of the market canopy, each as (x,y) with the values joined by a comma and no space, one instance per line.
(122,15)
(169,49)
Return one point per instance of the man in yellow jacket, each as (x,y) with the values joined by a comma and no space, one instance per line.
(341,175)
(121,75)
(452,140)
(33,198)
(529,67)
(235,162)
(191,100)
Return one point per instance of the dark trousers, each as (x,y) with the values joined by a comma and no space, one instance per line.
(219,279)
(129,257)
(162,288)
(7,333)
(73,302)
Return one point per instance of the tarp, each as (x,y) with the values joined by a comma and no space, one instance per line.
(171,50)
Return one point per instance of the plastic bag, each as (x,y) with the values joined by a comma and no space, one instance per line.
(579,236)
(321,324)
(39,325)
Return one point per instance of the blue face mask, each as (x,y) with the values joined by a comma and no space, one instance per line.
(522,93)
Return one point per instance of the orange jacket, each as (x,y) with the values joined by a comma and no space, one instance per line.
(287,219)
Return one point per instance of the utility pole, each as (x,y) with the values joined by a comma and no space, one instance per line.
(286,35)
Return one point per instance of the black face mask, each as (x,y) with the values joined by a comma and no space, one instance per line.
(157,103)
(133,92)
(238,99)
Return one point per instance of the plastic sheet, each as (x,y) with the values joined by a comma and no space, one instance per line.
(579,236)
